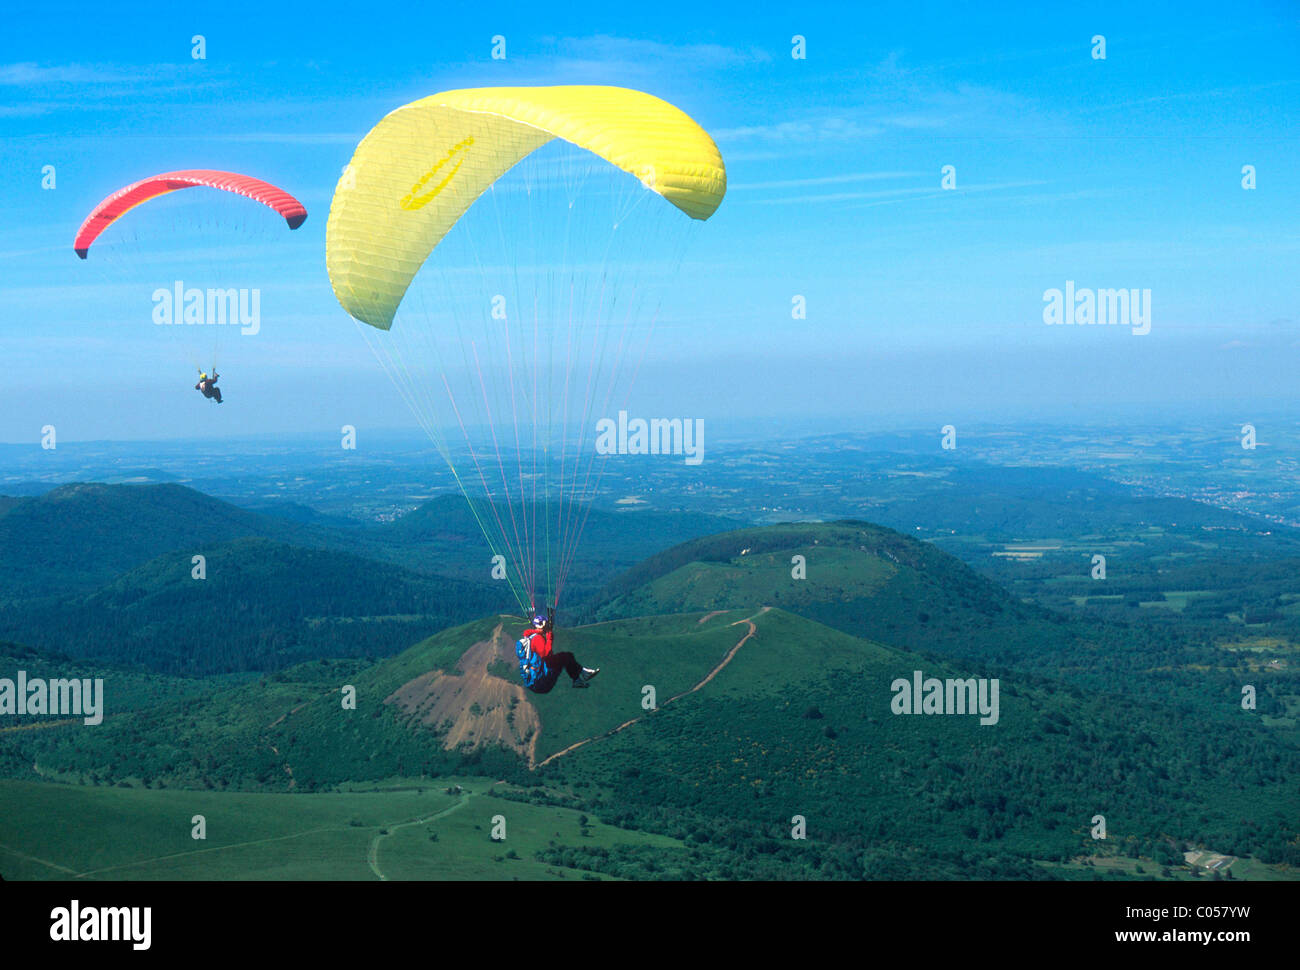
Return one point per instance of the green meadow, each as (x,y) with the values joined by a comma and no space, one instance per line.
(72,832)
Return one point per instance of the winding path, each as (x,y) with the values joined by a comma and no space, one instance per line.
(713,673)
(372,857)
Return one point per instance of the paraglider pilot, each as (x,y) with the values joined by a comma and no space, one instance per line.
(539,665)
(207,386)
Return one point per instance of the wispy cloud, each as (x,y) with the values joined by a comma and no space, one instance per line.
(848,196)
(1233,92)
(68,87)
(29,110)
(896,194)
(824,180)
(631,62)
(29,74)
(811,130)
(896,101)
(291,137)
(605,48)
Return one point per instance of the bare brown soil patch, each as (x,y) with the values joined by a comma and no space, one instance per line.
(470,706)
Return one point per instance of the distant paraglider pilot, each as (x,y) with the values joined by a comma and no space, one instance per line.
(207,386)
(540,666)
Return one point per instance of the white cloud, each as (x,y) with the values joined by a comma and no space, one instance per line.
(29,74)
(825,180)
(809,131)
(604,48)
(292,137)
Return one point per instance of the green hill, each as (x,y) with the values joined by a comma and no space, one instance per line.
(874,583)
(104,571)
(443,536)
(858,578)
(77,537)
(263,605)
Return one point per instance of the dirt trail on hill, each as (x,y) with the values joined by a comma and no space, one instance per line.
(294,711)
(713,673)
(372,857)
(293,783)
(31,858)
(39,725)
(215,848)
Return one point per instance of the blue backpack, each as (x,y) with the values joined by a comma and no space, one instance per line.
(531,667)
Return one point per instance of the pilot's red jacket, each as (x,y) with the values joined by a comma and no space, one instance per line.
(540,643)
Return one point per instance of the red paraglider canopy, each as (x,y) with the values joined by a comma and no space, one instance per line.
(125,199)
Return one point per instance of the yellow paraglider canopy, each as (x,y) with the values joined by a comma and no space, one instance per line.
(418,171)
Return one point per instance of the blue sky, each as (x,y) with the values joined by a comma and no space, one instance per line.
(923,304)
